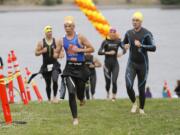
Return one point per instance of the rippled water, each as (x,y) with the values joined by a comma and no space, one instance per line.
(21,31)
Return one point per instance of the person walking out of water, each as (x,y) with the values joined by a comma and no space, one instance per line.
(76,73)
(140,41)
(50,69)
(109,48)
(92,63)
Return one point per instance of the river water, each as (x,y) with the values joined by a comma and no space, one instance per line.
(21,31)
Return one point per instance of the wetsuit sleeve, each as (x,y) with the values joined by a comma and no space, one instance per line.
(122,46)
(101,49)
(125,41)
(1,62)
(149,43)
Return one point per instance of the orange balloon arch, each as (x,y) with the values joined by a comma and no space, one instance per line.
(94,16)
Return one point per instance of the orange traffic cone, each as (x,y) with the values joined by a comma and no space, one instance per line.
(19,78)
(36,90)
(10,84)
(4,100)
(27,89)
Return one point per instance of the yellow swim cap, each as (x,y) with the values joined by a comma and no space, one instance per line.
(69,19)
(138,15)
(47,29)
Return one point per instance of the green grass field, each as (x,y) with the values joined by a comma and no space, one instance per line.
(98,117)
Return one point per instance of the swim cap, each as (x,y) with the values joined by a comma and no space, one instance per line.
(69,19)
(47,29)
(112,30)
(138,15)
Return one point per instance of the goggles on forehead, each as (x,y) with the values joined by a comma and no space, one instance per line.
(112,30)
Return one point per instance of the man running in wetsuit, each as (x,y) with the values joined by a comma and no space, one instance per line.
(140,41)
(76,73)
(109,48)
(51,67)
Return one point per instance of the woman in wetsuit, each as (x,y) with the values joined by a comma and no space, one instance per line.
(109,48)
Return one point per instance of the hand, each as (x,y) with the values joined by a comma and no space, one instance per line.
(78,50)
(127,46)
(56,56)
(92,66)
(119,55)
(75,49)
(112,52)
(61,55)
(44,50)
(118,36)
(137,43)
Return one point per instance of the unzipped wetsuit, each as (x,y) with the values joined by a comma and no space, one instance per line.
(76,73)
(50,69)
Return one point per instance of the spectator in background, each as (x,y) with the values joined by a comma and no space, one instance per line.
(148,93)
(166,93)
(177,89)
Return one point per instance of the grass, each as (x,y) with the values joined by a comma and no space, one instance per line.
(98,117)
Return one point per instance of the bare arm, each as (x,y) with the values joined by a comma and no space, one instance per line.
(88,48)
(61,55)
(58,50)
(97,63)
(39,49)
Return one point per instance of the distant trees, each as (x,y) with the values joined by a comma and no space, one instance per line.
(1,1)
(170,2)
(128,1)
(52,2)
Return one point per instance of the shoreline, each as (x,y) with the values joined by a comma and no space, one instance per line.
(32,8)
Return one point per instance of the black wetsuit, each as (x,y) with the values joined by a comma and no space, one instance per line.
(48,74)
(138,63)
(91,83)
(111,67)
(76,73)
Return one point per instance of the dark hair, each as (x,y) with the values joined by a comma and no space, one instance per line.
(178,82)
(148,89)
